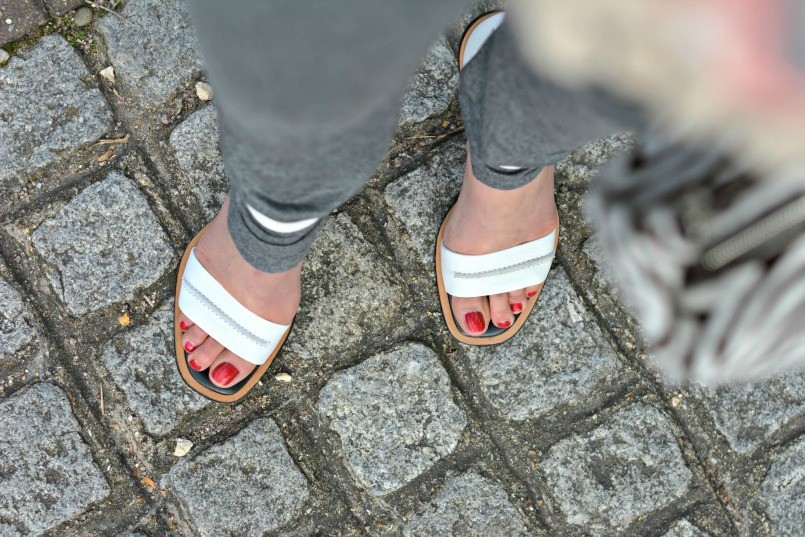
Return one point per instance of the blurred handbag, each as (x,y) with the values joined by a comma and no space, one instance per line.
(710,256)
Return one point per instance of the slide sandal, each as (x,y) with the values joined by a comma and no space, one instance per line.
(223,318)
(525,265)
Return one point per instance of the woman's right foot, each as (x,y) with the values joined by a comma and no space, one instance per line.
(274,297)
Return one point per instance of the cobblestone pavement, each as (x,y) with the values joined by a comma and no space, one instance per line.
(373,420)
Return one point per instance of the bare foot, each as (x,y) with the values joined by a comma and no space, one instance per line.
(486,220)
(274,297)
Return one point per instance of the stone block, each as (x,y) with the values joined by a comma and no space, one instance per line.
(433,87)
(142,363)
(248,485)
(421,198)
(47,110)
(395,415)
(103,246)
(605,479)
(152,47)
(560,357)
(48,475)
(349,294)
(783,491)
(749,414)
(17,326)
(195,144)
(18,18)
(469,506)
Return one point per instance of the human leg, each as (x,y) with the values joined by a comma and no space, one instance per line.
(308,98)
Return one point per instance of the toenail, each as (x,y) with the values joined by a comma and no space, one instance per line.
(224,373)
(189,347)
(504,324)
(532,294)
(517,307)
(183,325)
(195,365)
(475,322)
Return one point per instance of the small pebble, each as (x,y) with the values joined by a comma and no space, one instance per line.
(82,17)
(676,401)
(4,56)
(204,91)
(108,74)
(283,377)
(182,447)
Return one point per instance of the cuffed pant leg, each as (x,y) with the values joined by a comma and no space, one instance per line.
(518,121)
(308,95)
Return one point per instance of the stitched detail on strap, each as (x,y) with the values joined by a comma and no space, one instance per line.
(224,317)
(505,270)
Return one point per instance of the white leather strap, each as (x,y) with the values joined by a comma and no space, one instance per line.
(480,34)
(515,268)
(214,310)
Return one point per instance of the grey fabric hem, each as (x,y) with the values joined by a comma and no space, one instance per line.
(263,249)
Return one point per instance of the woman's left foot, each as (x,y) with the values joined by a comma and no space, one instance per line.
(486,220)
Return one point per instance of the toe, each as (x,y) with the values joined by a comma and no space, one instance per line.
(193,338)
(228,369)
(184,322)
(472,314)
(205,354)
(517,300)
(531,292)
(500,312)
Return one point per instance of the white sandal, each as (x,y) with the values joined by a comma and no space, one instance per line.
(204,300)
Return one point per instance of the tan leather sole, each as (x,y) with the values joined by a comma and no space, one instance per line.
(181,360)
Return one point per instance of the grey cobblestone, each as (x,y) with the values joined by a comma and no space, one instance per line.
(17,329)
(152,47)
(60,7)
(422,197)
(595,251)
(48,472)
(433,87)
(195,145)
(395,416)
(560,358)
(629,466)
(47,109)
(346,285)
(246,486)
(683,528)
(748,414)
(783,491)
(18,17)
(581,166)
(469,506)
(142,363)
(109,221)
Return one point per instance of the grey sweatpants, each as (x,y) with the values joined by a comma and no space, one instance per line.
(309,93)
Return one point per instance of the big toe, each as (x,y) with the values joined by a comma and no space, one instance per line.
(472,314)
(229,369)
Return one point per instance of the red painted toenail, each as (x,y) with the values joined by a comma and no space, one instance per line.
(475,322)
(189,347)
(532,294)
(517,307)
(183,325)
(504,324)
(224,373)
(195,365)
